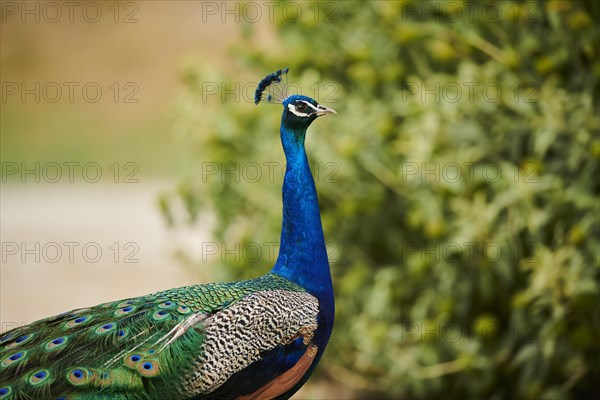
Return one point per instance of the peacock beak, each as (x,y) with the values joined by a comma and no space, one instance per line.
(322,110)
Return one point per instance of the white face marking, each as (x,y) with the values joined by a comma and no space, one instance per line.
(292,109)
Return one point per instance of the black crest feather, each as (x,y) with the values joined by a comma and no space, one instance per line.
(277,88)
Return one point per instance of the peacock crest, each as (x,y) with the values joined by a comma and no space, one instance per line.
(276,85)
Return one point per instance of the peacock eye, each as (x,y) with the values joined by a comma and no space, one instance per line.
(301,107)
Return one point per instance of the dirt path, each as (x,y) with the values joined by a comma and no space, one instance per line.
(67,246)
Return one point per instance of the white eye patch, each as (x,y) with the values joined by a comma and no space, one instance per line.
(298,113)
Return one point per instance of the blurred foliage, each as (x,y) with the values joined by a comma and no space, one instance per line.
(463,223)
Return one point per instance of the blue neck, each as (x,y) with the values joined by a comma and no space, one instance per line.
(302,253)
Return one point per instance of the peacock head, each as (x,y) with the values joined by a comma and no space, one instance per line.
(298,111)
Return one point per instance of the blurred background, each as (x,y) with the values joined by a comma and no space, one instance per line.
(458,182)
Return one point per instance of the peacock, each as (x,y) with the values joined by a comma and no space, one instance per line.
(254,339)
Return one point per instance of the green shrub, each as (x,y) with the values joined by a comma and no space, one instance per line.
(458,186)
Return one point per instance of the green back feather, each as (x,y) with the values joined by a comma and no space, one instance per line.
(136,348)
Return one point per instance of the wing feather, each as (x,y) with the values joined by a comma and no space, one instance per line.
(130,349)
